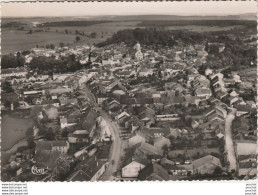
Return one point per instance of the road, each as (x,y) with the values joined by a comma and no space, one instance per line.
(229,147)
(117,145)
(116,149)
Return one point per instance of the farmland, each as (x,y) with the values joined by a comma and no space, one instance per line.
(15,40)
(16,36)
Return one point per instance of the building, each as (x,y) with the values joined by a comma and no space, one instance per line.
(153,172)
(246,152)
(88,170)
(205,165)
(57,145)
(161,142)
(132,169)
(13,72)
(138,53)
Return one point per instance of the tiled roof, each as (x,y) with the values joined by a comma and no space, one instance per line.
(155,171)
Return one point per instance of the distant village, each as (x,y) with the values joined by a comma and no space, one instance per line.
(133,113)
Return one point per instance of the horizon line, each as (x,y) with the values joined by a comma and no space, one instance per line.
(161,14)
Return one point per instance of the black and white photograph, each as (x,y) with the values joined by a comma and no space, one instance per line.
(129,91)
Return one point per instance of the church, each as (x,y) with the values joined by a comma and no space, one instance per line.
(138,53)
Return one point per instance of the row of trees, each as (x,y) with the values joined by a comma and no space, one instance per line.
(49,65)
(12,61)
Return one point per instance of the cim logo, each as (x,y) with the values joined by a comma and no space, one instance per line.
(39,171)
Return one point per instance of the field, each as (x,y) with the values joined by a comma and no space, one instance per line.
(14,40)
(19,40)
(13,129)
(196,28)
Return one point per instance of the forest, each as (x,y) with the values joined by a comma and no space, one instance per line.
(152,36)
(220,23)
(70,23)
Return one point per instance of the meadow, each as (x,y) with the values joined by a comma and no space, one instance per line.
(19,40)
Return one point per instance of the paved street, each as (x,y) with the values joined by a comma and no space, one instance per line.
(116,149)
(229,147)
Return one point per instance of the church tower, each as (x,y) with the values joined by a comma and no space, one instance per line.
(138,53)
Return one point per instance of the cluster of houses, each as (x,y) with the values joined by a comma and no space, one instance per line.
(171,116)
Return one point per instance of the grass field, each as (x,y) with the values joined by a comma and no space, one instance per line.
(13,129)
(14,40)
(202,28)
(19,40)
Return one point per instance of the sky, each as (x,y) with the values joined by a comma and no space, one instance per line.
(41,9)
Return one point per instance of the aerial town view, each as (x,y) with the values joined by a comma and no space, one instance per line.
(128,97)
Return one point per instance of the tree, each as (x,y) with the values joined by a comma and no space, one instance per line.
(77,38)
(61,44)
(66,31)
(93,35)
(64,132)
(165,147)
(30,32)
(9,61)
(31,143)
(20,59)
(49,134)
(7,87)
(29,131)
(217,171)
(7,103)
(63,168)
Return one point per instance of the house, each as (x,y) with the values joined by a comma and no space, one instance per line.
(221,111)
(136,139)
(233,93)
(54,102)
(60,90)
(167,117)
(13,72)
(72,101)
(64,122)
(113,103)
(89,122)
(221,94)
(192,100)
(203,93)
(155,132)
(161,142)
(242,109)
(156,98)
(57,145)
(233,100)
(79,136)
(131,170)
(205,165)
(47,159)
(50,111)
(148,151)
(122,116)
(181,170)
(88,170)
(246,152)
(153,172)
(245,147)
